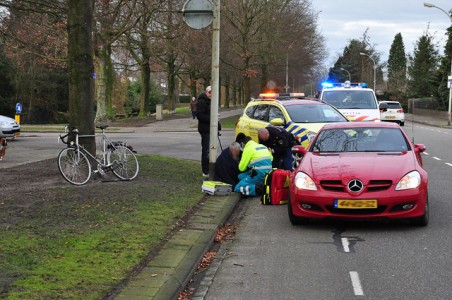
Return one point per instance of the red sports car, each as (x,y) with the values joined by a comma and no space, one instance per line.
(360,171)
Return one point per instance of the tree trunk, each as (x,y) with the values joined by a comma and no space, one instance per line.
(81,69)
(104,83)
(193,91)
(247,89)
(264,76)
(240,98)
(171,77)
(145,88)
(234,92)
(226,93)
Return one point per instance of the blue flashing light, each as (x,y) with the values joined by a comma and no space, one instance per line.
(364,85)
(327,85)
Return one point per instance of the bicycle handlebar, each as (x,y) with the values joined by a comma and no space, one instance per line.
(71,130)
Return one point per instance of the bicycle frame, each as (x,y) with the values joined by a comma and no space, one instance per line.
(105,143)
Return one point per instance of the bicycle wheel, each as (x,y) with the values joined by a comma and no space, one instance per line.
(125,164)
(74,166)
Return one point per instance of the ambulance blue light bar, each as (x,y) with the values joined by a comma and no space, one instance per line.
(347,84)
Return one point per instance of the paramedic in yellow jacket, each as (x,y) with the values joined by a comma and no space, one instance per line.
(255,162)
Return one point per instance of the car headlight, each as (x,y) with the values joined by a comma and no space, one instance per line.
(3,123)
(304,182)
(311,135)
(410,181)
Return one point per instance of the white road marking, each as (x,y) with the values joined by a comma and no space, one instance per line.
(437,158)
(426,153)
(449,164)
(357,288)
(345,244)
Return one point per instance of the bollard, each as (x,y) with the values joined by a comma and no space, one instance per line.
(158,112)
(17,118)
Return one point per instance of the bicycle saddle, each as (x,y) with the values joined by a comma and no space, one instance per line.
(102,127)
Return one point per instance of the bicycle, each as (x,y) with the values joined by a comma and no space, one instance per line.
(74,162)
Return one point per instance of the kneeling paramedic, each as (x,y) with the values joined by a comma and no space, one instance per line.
(255,162)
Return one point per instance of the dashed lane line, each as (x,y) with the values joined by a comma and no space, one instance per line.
(426,153)
(449,164)
(345,244)
(356,283)
(437,158)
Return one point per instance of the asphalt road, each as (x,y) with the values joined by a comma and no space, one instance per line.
(271,259)
(32,147)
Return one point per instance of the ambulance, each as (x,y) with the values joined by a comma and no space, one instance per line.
(355,101)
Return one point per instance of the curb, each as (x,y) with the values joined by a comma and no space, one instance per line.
(169,272)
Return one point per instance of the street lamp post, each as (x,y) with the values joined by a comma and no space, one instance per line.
(349,76)
(287,68)
(449,14)
(375,69)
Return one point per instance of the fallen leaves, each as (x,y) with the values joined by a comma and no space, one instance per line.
(225,233)
(206,260)
(185,295)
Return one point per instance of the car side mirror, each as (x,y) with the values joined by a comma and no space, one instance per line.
(419,148)
(300,150)
(383,107)
(277,122)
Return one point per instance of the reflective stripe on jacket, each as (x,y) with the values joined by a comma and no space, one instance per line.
(253,153)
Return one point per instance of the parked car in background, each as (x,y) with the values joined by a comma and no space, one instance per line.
(8,127)
(360,171)
(392,111)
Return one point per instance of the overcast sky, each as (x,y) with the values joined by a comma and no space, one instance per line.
(342,20)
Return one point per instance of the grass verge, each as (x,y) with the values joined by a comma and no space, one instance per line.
(229,123)
(81,242)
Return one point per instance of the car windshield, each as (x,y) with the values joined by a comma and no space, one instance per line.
(360,140)
(316,113)
(350,99)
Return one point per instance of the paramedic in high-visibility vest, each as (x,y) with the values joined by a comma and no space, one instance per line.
(280,142)
(255,162)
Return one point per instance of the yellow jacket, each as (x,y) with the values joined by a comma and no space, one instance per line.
(253,153)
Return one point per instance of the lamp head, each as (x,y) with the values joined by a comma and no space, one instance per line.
(429,5)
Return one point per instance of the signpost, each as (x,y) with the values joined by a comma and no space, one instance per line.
(17,116)
(199,14)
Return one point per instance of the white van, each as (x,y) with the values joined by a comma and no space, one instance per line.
(354,100)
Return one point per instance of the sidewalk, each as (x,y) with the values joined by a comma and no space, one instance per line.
(170,270)
(427,120)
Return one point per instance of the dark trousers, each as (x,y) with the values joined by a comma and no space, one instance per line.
(193,114)
(205,137)
(283,161)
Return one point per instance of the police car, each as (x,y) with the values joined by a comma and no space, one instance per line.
(302,117)
(354,100)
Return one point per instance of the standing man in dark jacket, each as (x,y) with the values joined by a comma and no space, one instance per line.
(203,115)
(280,142)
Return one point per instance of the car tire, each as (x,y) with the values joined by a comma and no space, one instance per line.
(402,123)
(294,219)
(423,220)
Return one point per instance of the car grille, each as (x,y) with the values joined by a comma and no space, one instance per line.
(373,186)
(378,185)
(367,211)
(332,185)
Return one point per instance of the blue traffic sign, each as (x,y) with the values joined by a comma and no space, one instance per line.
(18,108)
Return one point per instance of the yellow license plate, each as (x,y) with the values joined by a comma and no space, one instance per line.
(355,204)
(390,117)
